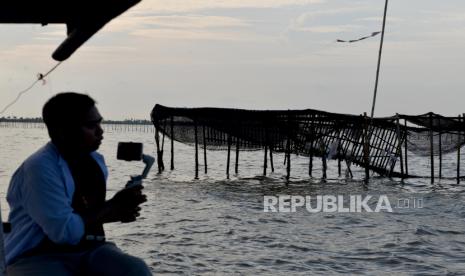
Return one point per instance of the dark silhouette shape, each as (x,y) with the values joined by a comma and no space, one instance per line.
(82,18)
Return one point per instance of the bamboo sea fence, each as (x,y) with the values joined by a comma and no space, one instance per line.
(380,146)
(108,125)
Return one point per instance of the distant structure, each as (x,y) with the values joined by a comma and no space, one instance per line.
(114,125)
(375,144)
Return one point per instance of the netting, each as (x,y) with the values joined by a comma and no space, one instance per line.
(447,134)
(376,144)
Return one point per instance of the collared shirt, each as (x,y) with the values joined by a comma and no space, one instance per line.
(40,197)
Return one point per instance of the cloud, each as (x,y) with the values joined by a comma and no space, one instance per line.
(313,15)
(159,6)
(327,29)
(380,19)
(186,27)
(197,21)
(338,20)
(29,50)
(191,21)
(197,34)
(52,35)
(451,17)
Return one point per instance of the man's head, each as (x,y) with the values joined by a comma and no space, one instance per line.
(73,122)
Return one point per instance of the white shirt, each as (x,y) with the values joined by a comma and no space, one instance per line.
(40,197)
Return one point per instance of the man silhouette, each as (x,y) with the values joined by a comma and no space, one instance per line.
(57,200)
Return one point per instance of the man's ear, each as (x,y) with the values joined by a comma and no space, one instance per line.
(58,136)
(67,134)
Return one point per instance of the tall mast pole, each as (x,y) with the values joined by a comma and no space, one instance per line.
(379,60)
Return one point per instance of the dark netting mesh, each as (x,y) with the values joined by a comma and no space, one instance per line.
(447,134)
(372,143)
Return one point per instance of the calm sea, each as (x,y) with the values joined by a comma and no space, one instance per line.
(214,226)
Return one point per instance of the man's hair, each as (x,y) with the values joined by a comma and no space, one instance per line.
(65,111)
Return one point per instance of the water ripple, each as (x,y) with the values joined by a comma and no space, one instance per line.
(214,226)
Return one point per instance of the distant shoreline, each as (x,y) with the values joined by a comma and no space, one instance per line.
(39,120)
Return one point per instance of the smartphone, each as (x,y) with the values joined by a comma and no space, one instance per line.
(129,151)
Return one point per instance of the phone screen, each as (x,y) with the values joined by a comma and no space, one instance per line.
(129,151)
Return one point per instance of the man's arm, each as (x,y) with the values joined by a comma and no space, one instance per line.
(123,207)
(46,201)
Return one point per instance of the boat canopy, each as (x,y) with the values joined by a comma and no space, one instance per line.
(83,18)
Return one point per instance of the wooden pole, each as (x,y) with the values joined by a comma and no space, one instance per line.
(323,160)
(229,156)
(196,151)
(288,149)
(204,150)
(162,144)
(366,147)
(458,151)
(265,157)
(348,155)
(271,159)
(431,146)
(312,133)
(390,136)
(159,154)
(378,150)
(399,147)
(405,147)
(236,167)
(265,161)
(287,159)
(172,144)
(359,148)
(379,60)
(348,163)
(339,167)
(440,154)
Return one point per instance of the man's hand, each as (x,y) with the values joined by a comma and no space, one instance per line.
(123,207)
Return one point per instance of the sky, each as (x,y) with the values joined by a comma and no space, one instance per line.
(251,54)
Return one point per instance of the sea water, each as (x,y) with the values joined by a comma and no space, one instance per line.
(216,226)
